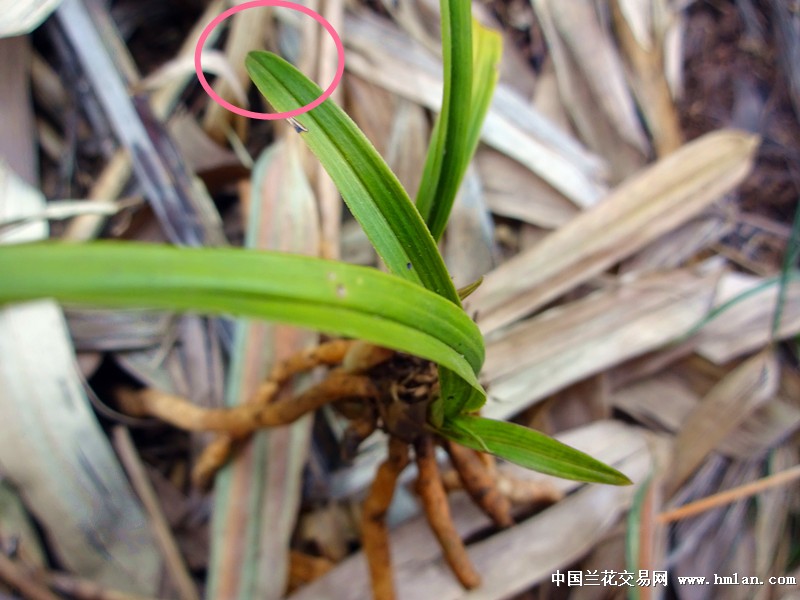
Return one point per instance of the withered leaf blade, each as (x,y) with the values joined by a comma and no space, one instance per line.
(250,548)
(723,409)
(644,207)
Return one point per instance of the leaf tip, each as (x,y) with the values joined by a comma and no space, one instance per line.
(256,61)
(619,478)
(252,58)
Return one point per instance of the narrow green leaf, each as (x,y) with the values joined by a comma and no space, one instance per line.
(372,192)
(530,449)
(447,152)
(469,82)
(487,48)
(328,296)
(633,533)
(458,127)
(718,311)
(465,291)
(789,261)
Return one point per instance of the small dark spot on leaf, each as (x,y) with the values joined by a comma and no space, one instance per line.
(297,126)
(409,266)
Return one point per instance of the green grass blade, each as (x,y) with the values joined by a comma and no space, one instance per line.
(328,296)
(372,192)
(487,46)
(486,55)
(789,262)
(633,533)
(447,151)
(467,75)
(530,449)
(458,127)
(788,276)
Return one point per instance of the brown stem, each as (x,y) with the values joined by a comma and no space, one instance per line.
(374,531)
(480,484)
(437,511)
(243,419)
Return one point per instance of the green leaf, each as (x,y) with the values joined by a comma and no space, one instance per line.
(529,449)
(465,291)
(441,176)
(372,192)
(309,292)
(469,82)
(487,47)
(789,260)
(633,531)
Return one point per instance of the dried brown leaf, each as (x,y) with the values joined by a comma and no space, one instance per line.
(565,344)
(592,48)
(514,191)
(773,508)
(245,34)
(117,330)
(648,205)
(16,524)
(212,61)
(683,244)
(643,47)
(644,400)
(200,151)
(17,136)
(383,55)
(174,562)
(592,85)
(710,543)
(18,17)
(469,248)
(547,99)
(762,430)
(722,410)
(746,325)
(407,143)
(186,213)
(247,560)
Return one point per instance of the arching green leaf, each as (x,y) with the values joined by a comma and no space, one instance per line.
(328,296)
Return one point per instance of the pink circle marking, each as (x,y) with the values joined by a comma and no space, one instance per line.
(269,116)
